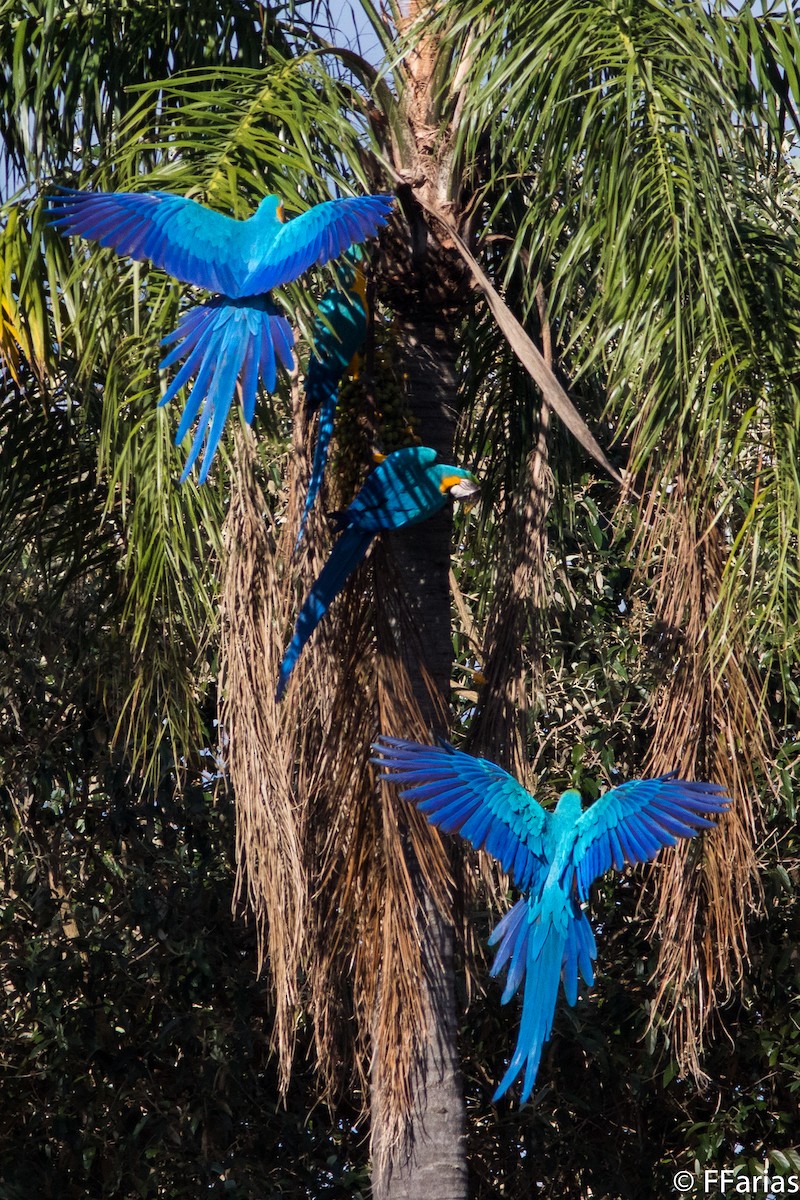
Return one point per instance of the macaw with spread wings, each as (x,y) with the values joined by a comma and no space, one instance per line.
(240,335)
(553,857)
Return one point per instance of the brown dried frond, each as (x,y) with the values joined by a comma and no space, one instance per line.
(376,867)
(344,878)
(269,828)
(707,723)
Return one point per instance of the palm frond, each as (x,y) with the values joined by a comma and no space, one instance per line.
(707,722)
(271,875)
(68,82)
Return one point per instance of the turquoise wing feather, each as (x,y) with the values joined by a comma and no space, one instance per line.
(194,243)
(405,488)
(473,797)
(338,336)
(402,490)
(213,251)
(316,236)
(631,823)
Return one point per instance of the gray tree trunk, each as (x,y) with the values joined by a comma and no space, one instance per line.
(432,1162)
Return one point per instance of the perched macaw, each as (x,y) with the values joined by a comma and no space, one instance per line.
(240,334)
(553,856)
(407,487)
(338,336)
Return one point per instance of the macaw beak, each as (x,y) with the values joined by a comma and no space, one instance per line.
(461,487)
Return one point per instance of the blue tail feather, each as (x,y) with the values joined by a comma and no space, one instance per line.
(545,949)
(324,434)
(220,342)
(544,955)
(347,553)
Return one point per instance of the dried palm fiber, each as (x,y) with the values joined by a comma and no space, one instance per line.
(270,878)
(367,961)
(323,852)
(363,959)
(706,723)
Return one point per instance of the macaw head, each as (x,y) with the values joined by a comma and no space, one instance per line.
(457,483)
(271,209)
(570,806)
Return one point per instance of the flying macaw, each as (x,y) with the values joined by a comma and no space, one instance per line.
(407,487)
(240,333)
(554,858)
(339,333)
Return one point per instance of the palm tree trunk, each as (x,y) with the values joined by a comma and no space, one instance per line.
(430,1161)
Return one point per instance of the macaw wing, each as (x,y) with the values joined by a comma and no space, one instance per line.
(630,823)
(339,334)
(190,241)
(399,492)
(336,342)
(472,797)
(316,236)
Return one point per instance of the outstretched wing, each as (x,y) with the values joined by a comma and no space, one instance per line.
(473,797)
(191,242)
(211,250)
(630,823)
(316,236)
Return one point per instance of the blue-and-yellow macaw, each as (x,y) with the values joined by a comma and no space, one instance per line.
(407,487)
(553,856)
(339,334)
(240,334)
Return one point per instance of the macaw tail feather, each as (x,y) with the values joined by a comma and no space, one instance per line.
(544,946)
(542,950)
(327,413)
(580,952)
(347,553)
(222,342)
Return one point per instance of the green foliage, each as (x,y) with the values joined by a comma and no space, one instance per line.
(136,1059)
(67,83)
(632,159)
(611,1116)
